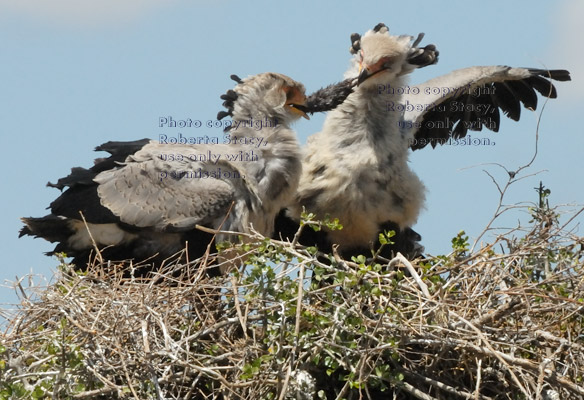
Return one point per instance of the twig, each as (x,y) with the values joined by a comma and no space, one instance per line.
(400,258)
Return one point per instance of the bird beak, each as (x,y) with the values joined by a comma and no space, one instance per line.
(296,100)
(363,74)
(299,109)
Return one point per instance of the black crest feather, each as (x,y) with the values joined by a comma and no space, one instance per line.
(230,97)
(355,43)
(379,26)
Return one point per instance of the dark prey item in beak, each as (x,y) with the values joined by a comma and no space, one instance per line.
(329,97)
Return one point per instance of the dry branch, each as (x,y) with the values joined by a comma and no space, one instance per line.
(295,325)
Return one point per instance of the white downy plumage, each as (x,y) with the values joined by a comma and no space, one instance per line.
(356,169)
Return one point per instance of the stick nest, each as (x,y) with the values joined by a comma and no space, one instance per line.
(502,322)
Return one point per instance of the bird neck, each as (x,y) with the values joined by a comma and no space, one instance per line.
(253,126)
(367,116)
(265,145)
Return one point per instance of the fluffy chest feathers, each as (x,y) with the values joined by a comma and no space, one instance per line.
(356,169)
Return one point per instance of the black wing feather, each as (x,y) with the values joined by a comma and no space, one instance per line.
(524,93)
(482,105)
(543,86)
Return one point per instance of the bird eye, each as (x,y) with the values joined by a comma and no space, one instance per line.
(293,94)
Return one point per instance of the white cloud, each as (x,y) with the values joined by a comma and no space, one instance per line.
(566,51)
(84,13)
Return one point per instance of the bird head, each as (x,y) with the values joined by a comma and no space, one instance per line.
(380,56)
(266,95)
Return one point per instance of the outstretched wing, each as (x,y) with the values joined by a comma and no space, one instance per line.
(470,98)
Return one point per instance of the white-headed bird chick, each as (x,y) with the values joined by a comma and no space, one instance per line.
(145,200)
(356,169)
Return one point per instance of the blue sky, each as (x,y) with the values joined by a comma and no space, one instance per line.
(77,74)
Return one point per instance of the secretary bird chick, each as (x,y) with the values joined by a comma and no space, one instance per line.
(356,169)
(145,200)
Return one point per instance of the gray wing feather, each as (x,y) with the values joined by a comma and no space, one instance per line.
(440,89)
(148,191)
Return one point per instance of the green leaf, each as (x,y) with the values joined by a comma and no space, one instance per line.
(382,239)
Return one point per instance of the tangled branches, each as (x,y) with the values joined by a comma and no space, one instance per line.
(503,322)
